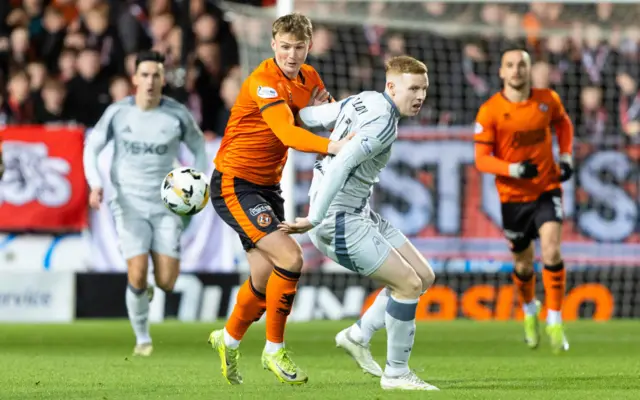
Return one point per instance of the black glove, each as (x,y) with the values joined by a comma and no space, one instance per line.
(527,170)
(566,171)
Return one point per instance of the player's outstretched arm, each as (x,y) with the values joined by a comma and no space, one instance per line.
(376,137)
(100,135)
(194,139)
(322,116)
(281,122)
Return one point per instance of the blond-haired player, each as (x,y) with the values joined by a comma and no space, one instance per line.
(344,228)
(245,192)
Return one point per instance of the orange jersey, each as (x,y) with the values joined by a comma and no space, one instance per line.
(507,133)
(261,126)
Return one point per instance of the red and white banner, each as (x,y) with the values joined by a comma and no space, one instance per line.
(43,188)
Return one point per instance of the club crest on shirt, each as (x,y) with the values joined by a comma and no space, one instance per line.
(267,92)
(477,129)
(543,107)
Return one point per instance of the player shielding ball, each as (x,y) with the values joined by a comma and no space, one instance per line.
(346,230)
(513,140)
(146,130)
(245,192)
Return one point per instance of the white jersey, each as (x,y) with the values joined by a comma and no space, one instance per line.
(345,182)
(146,145)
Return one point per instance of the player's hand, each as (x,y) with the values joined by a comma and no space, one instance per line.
(318,97)
(335,147)
(95,198)
(301,225)
(566,168)
(526,170)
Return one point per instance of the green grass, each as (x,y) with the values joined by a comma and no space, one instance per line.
(467,360)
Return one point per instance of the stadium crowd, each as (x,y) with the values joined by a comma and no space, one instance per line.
(65,60)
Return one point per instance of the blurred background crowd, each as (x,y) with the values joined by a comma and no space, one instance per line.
(66,60)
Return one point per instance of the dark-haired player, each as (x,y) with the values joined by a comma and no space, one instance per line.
(146,130)
(513,140)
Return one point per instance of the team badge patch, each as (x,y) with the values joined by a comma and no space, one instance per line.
(477,129)
(543,107)
(264,220)
(267,92)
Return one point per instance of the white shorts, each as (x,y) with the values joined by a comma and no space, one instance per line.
(356,242)
(138,233)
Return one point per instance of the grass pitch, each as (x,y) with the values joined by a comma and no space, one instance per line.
(467,360)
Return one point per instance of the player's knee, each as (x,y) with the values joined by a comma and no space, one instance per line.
(410,286)
(523,269)
(166,285)
(292,260)
(428,278)
(551,254)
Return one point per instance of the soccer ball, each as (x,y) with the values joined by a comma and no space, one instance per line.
(185,191)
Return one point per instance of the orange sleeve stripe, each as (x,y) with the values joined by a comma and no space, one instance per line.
(281,122)
(487,163)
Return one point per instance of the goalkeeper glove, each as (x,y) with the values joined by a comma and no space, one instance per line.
(566,167)
(523,170)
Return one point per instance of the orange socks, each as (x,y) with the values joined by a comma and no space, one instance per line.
(250,305)
(555,282)
(281,290)
(526,286)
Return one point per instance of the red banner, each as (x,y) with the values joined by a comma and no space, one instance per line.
(43,188)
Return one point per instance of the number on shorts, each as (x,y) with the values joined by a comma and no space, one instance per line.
(557,206)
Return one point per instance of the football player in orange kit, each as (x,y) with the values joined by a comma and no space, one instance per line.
(245,192)
(513,140)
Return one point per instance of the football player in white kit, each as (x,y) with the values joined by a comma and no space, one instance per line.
(146,130)
(344,228)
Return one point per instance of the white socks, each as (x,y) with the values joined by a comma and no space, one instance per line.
(229,341)
(372,320)
(271,347)
(138,310)
(400,320)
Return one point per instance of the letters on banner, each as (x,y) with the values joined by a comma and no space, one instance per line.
(43,187)
(37,296)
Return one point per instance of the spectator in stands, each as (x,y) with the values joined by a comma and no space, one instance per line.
(49,42)
(540,74)
(21,53)
(120,88)
(629,105)
(104,38)
(592,119)
(208,82)
(37,72)
(53,109)
(88,91)
(19,101)
(229,91)
(67,64)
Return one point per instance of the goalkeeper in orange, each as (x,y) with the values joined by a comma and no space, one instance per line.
(513,141)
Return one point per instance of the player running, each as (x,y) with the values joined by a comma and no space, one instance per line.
(245,192)
(345,229)
(513,141)
(146,130)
